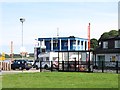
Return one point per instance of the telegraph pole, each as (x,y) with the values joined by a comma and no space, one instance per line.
(11,50)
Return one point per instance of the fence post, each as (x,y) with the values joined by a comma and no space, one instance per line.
(116,66)
(102,67)
(58,60)
(68,61)
(78,62)
(63,65)
(40,66)
(51,66)
(75,64)
(89,63)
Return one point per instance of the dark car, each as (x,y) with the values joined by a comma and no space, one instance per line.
(31,62)
(21,64)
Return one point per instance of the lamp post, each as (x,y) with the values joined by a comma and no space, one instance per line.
(22,20)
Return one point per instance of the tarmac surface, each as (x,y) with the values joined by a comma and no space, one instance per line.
(18,71)
(33,70)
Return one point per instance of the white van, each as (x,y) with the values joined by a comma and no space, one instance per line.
(45,60)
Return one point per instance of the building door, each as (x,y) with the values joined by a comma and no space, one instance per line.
(100,59)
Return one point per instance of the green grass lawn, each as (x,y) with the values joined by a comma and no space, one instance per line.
(60,80)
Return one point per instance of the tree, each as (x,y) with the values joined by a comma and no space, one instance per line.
(109,34)
(7,56)
(93,43)
(105,35)
(113,33)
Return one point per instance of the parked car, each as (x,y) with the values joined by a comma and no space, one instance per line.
(44,64)
(31,62)
(44,60)
(21,64)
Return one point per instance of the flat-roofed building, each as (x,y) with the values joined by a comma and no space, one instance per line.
(63,43)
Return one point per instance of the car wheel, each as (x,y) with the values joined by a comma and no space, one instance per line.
(37,68)
(20,68)
(27,68)
(46,67)
(13,68)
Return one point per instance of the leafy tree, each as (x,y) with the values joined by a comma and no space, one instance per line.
(7,56)
(109,34)
(105,35)
(113,33)
(93,43)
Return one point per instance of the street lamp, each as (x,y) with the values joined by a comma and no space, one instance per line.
(22,20)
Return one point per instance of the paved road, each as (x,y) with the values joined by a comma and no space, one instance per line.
(19,71)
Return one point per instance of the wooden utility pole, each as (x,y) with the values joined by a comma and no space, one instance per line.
(11,50)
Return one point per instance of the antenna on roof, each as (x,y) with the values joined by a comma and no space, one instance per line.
(57,32)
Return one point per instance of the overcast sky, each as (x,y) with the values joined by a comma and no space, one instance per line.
(43,18)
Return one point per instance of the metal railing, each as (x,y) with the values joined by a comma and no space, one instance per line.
(78,66)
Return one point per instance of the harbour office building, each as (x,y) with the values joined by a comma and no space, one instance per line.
(70,43)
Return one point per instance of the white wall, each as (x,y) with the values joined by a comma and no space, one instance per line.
(109,57)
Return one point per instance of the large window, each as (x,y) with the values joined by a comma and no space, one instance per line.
(105,44)
(64,44)
(55,43)
(74,42)
(81,42)
(41,58)
(47,58)
(117,44)
(78,42)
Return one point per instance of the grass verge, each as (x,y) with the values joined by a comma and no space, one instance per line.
(60,80)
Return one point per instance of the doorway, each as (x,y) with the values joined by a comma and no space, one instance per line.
(100,59)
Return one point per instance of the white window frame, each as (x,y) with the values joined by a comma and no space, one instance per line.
(105,44)
(117,43)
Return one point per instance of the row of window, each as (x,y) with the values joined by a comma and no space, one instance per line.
(74,42)
(55,42)
(117,44)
